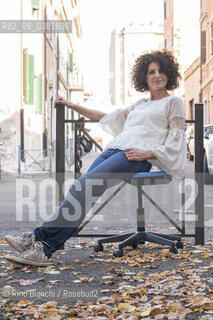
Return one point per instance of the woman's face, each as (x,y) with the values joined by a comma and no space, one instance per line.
(156,79)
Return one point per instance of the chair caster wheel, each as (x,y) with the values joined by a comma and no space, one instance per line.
(98,247)
(118,253)
(134,246)
(173,250)
(142,242)
(179,244)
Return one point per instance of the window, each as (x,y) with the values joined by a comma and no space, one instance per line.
(40,93)
(203,47)
(28,77)
(164,10)
(171,4)
(70,61)
(35,4)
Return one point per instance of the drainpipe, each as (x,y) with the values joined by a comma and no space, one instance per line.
(21,113)
(44,135)
(124,73)
(200,94)
(67,127)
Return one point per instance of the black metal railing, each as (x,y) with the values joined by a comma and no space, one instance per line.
(199,175)
(82,139)
(35,160)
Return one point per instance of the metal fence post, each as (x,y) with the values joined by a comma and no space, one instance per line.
(50,161)
(60,149)
(77,161)
(19,159)
(199,175)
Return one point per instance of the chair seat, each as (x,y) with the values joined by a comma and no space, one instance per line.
(152,177)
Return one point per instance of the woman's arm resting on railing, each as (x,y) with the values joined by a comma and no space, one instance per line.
(88,113)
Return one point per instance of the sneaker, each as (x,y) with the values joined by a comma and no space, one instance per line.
(21,243)
(34,256)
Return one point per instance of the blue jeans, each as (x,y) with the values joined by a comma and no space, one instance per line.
(112,164)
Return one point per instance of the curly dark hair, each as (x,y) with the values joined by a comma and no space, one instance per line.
(168,65)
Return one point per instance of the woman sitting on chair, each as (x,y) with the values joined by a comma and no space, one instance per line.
(151,131)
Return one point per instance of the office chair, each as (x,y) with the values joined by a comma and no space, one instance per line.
(141,235)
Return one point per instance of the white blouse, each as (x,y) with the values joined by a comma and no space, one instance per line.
(156,125)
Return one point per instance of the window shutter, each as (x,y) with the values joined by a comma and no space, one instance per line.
(70,62)
(35,4)
(203,47)
(40,93)
(30,79)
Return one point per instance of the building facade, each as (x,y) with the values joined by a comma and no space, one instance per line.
(206,28)
(182,33)
(125,46)
(37,67)
(192,88)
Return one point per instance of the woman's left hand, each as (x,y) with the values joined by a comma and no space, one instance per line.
(138,155)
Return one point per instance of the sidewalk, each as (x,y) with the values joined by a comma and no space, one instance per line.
(147,283)
(10,170)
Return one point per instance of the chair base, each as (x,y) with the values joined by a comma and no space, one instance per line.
(139,237)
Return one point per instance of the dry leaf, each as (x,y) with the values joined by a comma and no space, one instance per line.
(24,303)
(85,279)
(29,282)
(77,261)
(146,313)
(109,283)
(126,307)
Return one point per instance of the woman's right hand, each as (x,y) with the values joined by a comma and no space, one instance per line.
(85,112)
(60,100)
